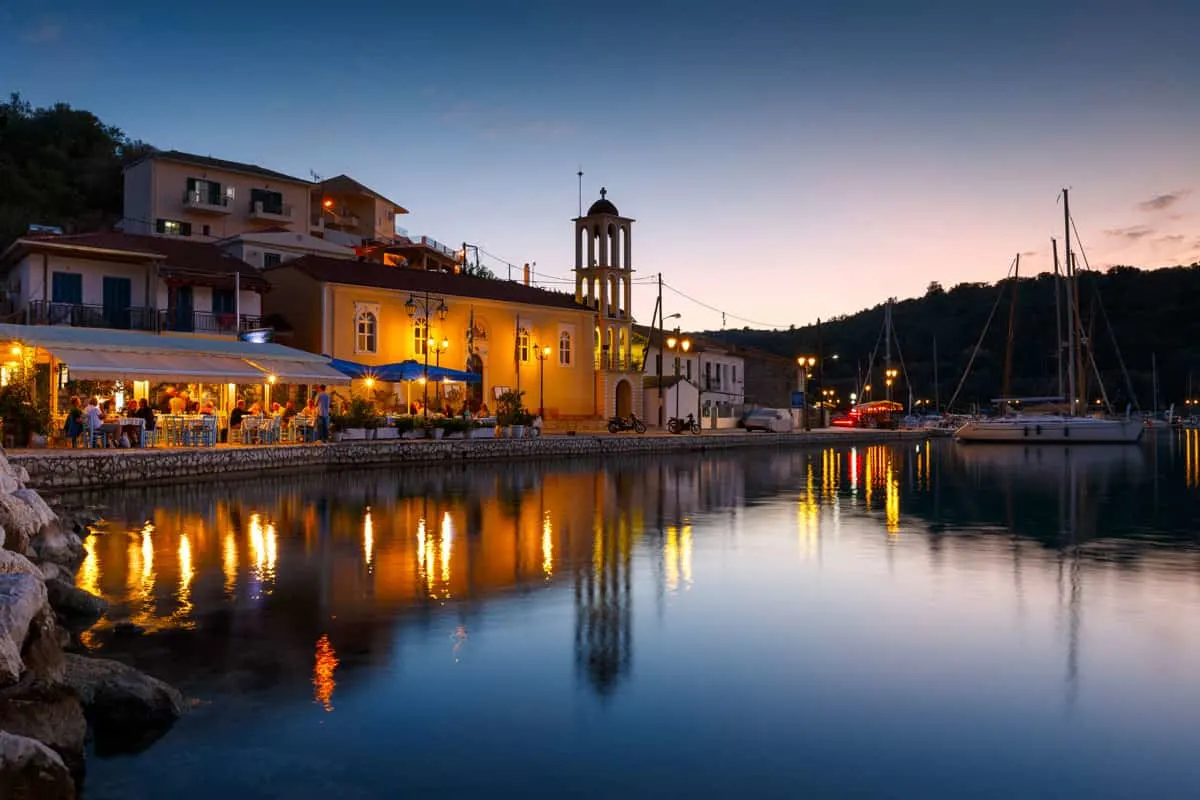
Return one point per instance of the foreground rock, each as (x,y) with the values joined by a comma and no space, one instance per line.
(128,710)
(22,599)
(76,607)
(29,770)
(50,713)
(54,545)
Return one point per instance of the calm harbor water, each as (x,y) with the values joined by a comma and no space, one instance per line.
(923,620)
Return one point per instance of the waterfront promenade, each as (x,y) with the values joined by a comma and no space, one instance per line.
(70,469)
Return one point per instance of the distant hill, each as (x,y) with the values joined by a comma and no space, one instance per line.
(1151,312)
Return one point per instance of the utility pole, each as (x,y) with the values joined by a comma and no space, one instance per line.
(820,372)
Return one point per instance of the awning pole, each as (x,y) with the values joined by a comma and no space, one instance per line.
(237,303)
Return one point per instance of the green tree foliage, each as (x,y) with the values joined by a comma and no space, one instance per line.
(59,166)
(1152,313)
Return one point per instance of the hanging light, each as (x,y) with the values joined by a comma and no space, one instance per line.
(442,310)
(411,306)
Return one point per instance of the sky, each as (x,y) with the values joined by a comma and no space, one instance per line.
(784,160)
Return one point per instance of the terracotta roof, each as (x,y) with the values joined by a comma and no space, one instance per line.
(368,273)
(220,163)
(344,183)
(178,256)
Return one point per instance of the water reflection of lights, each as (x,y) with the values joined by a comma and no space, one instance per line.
(186,573)
(891,501)
(263,553)
(547,546)
(1191,457)
(677,557)
(325,663)
(808,514)
(460,640)
(445,545)
(368,539)
(229,563)
(89,570)
(853,470)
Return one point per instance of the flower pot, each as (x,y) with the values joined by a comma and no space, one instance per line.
(387,433)
(438,433)
(518,431)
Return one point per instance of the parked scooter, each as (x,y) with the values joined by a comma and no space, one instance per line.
(677,425)
(618,424)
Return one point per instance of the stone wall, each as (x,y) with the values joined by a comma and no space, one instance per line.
(90,469)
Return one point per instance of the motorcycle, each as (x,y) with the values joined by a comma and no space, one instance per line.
(677,425)
(618,424)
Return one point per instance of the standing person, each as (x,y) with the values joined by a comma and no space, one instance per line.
(323,401)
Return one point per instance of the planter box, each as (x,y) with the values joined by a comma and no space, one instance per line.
(518,431)
(456,435)
(387,433)
(438,433)
(351,434)
(481,433)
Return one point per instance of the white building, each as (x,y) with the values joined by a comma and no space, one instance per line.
(271,247)
(715,373)
(130,282)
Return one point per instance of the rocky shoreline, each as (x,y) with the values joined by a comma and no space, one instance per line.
(53,698)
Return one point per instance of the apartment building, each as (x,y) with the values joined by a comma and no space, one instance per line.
(170,193)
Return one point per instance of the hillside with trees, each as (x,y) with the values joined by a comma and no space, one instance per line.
(59,166)
(1148,313)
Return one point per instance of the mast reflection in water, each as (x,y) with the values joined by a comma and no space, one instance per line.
(887,611)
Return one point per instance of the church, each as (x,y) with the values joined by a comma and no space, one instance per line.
(571,356)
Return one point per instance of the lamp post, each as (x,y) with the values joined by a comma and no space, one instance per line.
(542,354)
(676,344)
(889,379)
(439,348)
(806,364)
(425,305)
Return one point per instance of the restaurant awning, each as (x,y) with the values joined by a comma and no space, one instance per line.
(89,364)
(291,371)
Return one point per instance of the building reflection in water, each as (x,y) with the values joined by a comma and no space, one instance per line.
(301,560)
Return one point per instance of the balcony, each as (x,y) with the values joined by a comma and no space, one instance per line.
(615,363)
(270,212)
(80,315)
(204,203)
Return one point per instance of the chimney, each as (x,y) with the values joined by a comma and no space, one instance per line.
(526,274)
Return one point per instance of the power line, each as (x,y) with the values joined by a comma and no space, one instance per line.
(722,312)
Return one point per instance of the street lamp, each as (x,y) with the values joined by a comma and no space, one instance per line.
(676,344)
(890,378)
(542,354)
(438,349)
(425,305)
(806,364)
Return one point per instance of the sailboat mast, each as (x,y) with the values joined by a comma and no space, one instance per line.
(1006,385)
(1082,340)
(1070,318)
(937,400)
(1154,377)
(1058,321)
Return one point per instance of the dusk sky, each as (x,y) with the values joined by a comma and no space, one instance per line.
(784,161)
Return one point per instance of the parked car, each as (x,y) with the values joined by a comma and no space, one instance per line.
(773,420)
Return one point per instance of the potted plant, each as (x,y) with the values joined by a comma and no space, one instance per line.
(359,418)
(26,423)
(456,427)
(510,416)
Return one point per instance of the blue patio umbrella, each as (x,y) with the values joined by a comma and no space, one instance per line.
(447,374)
(390,373)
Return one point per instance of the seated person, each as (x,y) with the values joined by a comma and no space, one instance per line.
(94,422)
(289,410)
(235,416)
(146,414)
(74,424)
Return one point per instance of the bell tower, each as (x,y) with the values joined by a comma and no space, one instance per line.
(604,283)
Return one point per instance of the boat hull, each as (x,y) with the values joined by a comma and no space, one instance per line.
(1065,430)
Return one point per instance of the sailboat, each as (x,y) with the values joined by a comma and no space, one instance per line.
(1071,427)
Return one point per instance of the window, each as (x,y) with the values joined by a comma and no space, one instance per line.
(66,287)
(365,325)
(206,192)
(223,301)
(523,346)
(271,259)
(272,202)
(689,369)
(708,376)
(564,349)
(173,227)
(733,373)
(420,336)
(207,231)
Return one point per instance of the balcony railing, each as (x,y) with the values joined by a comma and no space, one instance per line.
(203,201)
(80,315)
(275,212)
(614,363)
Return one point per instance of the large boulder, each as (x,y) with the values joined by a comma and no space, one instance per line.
(54,544)
(20,523)
(22,599)
(76,606)
(128,710)
(50,713)
(16,564)
(29,770)
(41,511)
(8,484)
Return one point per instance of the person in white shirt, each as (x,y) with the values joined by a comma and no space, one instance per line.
(93,420)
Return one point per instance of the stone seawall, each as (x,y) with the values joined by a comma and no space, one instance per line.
(62,470)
